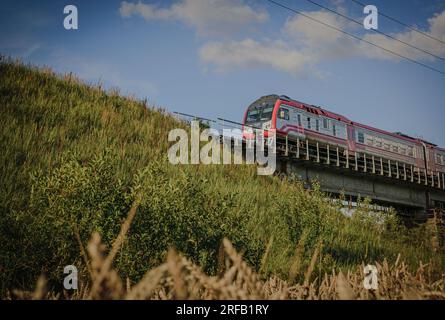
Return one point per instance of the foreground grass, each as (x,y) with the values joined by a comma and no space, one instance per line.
(75,158)
(180,278)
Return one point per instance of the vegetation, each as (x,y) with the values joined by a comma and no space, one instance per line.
(179,278)
(75,159)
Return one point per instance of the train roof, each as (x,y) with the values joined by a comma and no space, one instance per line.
(407,136)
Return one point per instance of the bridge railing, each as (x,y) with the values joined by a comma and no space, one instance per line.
(334,155)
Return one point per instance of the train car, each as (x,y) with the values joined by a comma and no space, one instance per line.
(296,119)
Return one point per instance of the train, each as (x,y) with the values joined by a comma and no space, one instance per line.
(294,119)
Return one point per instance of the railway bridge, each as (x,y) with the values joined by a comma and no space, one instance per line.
(338,171)
(386,182)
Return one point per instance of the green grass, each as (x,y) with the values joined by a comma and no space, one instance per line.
(74,158)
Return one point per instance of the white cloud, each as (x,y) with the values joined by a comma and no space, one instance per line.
(326,43)
(307,43)
(250,53)
(146,11)
(302,42)
(436,29)
(207,16)
(318,40)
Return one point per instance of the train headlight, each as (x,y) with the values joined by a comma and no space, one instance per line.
(266,125)
(248,133)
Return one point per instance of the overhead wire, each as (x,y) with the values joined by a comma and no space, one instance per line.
(376,30)
(355,36)
(402,23)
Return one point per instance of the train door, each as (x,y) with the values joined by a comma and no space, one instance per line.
(420,156)
(431,159)
(283,118)
(351,137)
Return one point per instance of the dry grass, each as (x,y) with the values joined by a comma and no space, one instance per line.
(179,278)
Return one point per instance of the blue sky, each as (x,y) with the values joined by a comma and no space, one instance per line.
(214,57)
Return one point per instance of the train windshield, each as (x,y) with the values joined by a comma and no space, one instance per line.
(261,112)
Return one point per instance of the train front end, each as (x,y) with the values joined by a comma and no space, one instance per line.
(258,117)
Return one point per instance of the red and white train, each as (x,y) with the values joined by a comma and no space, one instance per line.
(296,119)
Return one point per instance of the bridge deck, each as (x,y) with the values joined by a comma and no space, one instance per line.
(361,174)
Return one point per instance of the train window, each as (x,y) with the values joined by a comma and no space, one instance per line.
(334,130)
(403,150)
(283,114)
(378,143)
(252,115)
(259,112)
(325,123)
(299,120)
(317,124)
(266,114)
(308,122)
(361,137)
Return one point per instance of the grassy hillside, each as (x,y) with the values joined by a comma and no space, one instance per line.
(74,159)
